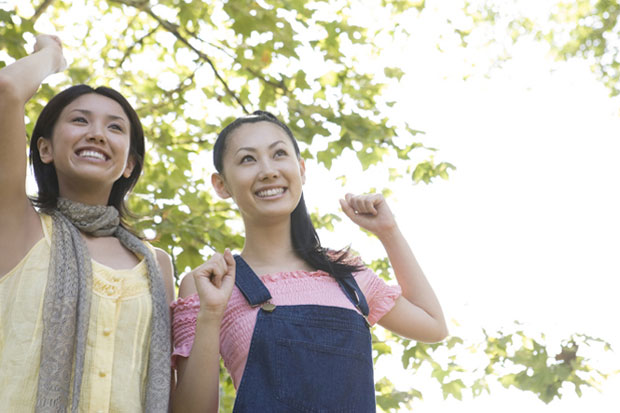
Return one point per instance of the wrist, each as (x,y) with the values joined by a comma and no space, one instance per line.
(390,234)
(209,317)
(56,57)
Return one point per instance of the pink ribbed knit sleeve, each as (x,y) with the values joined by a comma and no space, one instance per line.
(379,295)
(184,313)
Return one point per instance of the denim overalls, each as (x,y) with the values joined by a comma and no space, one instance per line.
(306,358)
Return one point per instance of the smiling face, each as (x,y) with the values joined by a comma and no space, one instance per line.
(89,147)
(261,172)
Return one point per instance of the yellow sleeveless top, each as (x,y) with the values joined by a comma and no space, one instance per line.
(117,345)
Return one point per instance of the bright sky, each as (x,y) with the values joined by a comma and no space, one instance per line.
(527,228)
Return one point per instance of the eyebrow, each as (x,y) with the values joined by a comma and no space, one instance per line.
(252,149)
(110,116)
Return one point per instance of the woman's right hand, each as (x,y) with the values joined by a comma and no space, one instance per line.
(214,281)
(53,42)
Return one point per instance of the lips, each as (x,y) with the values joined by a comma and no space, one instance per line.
(92,154)
(265,193)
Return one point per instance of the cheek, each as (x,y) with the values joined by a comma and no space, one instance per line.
(237,184)
(295,172)
(63,138)
(123,145)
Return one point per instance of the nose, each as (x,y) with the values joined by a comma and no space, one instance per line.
(267,171)
(95,134)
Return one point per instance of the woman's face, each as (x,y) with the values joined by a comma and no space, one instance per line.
(261,172)
(89,146)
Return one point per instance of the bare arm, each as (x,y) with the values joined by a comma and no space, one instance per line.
(198,375)
(21,227)
(417,313)
(165,265)
(18,82)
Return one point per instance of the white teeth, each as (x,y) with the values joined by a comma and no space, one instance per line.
(270,192)
(92,154)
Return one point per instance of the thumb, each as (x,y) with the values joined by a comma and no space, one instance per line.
(346,208)
(232,265)
(229,278)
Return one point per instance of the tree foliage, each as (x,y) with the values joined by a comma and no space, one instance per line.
(583,29)
(588,30)
(191,66)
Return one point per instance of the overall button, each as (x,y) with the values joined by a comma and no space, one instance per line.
(102,374)
(107,331)
(268,307)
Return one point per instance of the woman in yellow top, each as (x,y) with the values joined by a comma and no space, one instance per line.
(84,321)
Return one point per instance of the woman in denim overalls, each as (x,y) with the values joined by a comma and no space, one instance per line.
(295,338)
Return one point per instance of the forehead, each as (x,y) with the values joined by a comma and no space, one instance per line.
(257,134)
(96,104)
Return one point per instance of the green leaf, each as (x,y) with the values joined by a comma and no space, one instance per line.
(453,388)
(393,72)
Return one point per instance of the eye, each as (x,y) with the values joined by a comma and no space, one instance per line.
(79,119)
(279,153)
(117,127)
(247,158)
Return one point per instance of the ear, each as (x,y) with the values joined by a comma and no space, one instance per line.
(45,150)
(131,163)
(302,170)
(219,185)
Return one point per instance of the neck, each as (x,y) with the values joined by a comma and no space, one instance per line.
(268,248)
(89,196)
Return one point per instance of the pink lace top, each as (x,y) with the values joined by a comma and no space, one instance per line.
(287,288)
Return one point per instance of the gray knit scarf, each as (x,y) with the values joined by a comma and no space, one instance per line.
(66,309)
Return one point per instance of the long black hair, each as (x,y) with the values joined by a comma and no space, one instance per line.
(306,242)
(45,174)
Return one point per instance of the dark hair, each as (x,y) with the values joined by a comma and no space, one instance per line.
(45,174)
(306,242)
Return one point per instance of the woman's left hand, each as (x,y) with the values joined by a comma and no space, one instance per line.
(369,211)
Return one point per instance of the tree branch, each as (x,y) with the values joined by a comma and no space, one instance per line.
(168,93)
(40,10)
(173,29)
(259,76)
(279,85)
(140,41)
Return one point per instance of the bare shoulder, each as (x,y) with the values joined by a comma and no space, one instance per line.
(188,285)
(163,259)
(165,265)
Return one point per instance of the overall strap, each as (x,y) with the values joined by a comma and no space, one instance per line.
(354,293)
(249,284)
